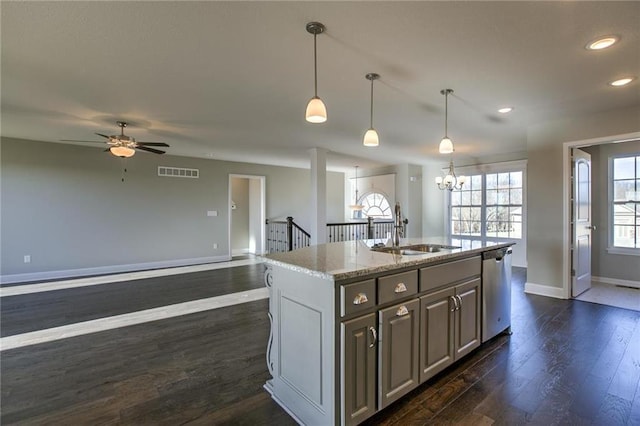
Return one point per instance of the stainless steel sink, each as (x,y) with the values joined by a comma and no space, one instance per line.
(416,249)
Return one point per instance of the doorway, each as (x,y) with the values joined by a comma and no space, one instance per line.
(611,273)
(247,214)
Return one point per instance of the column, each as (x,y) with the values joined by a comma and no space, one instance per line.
(318,193)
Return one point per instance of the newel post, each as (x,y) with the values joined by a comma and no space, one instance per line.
(370,232)
(290,233)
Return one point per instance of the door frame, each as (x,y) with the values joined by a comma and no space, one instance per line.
(260,248)
(566,198)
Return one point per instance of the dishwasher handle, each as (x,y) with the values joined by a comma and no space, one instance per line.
(498,255)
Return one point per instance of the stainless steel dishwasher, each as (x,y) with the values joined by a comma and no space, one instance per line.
(496,292)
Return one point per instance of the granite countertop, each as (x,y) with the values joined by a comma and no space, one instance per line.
(351,259)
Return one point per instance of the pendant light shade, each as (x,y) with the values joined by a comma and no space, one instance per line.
(371,136)
(316,110)
(446,145)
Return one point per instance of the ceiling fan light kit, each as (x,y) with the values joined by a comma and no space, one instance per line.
(125,146)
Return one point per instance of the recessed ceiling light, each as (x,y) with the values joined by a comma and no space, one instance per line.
(622,81)
(602,43)
(505,110)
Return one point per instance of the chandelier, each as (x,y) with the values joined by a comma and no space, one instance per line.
(356,206)
(450,181)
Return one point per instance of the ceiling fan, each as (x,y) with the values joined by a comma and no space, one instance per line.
(125,146)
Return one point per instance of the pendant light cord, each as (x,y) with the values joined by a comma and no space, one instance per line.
(446,113)
(315,66)
(371,118)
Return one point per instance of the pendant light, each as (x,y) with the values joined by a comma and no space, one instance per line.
(316,111)
(371,136)
(446,146)
(355,206)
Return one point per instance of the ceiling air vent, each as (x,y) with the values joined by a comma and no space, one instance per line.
(178,172)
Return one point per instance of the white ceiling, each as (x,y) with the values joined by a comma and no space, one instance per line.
(230,80)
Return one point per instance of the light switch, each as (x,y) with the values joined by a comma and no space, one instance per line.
(212,213)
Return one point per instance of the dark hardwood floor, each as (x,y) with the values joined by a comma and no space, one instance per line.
(568,362)
(36,311)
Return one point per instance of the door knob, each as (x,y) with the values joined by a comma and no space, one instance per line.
(592,227)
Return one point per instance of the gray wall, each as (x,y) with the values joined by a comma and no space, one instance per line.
(66,207)
(603,264)
(545,180)
(240,215)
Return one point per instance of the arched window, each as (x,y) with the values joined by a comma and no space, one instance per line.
(376,206)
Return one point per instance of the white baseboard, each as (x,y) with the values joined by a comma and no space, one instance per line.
(111,269)
(240,252)
(615,281)
(544,290)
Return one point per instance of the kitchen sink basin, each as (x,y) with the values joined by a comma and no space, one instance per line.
(415,249)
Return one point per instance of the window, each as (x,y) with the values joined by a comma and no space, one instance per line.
(625,202)
(376,206)
(490,205)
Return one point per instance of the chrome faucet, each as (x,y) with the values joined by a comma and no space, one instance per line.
(398,226)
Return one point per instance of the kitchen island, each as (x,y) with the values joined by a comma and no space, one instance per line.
(355,325)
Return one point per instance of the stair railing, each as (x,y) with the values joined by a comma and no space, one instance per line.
(286,235)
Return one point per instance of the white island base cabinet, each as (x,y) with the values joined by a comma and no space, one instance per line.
(341,351)
(301,347)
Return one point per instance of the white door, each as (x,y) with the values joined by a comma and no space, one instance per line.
(581,250)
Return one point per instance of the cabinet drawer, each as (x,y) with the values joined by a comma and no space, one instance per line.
(397,286)
(357,297)
(448,273)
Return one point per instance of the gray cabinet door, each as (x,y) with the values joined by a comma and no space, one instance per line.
(437,314)
(398,351)
(359,369)
(468,319)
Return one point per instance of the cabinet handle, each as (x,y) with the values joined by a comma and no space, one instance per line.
(402,311)
(360,299)
(459,301)
(400,288)
(374,336)
(455,303)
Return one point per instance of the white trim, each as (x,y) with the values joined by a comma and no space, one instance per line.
(263,210)
(240,252)
(544,290)
(616,281)
(624,251)
(111,269)
(566,183)
(505,166)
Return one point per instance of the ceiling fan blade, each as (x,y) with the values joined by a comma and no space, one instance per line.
(155,151)
(74,140)
(104,136)
(152,144)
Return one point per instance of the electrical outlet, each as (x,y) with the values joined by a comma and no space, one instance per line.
(215,245)
(27,258)
(212,213)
